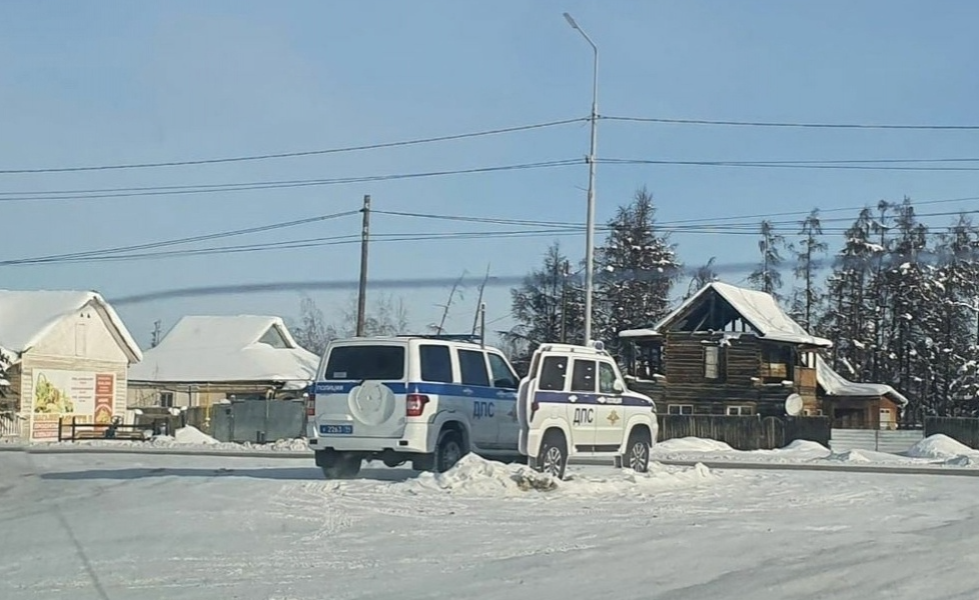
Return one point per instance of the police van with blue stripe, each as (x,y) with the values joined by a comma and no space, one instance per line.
(429,400)
(574,404)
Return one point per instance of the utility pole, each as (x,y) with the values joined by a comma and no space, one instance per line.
(564,302)
(365,235)
(479,301)
(590,224)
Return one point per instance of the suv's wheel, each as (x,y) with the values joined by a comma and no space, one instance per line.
(449,450)
(553,457)
(637,451)
(343,466)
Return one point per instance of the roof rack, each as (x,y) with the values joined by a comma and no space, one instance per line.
(449,337)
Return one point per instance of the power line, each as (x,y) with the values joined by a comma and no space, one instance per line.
(779,165)
(211,161)
(268,185)
(807,212)
(799,125)
(113,256)
(178,241)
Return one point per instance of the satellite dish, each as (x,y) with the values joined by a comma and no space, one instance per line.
(793,405)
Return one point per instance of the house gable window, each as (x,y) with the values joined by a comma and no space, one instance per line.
(273,337)
(712,362)
(679,409)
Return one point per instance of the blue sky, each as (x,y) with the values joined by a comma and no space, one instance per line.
(121,82)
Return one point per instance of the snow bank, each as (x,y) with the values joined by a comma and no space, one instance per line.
(691,444)
(190,438)
(868,457)
(806,446)
(192,435)
(477,476)
(940,446)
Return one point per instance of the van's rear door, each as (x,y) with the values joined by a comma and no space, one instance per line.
(361,390)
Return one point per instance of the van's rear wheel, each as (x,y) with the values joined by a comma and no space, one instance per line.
(342,466)
(449,450)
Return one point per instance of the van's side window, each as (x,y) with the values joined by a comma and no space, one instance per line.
(472,367)
(583,379)
(503,376)
(606,378)
(553,372)
(436,363)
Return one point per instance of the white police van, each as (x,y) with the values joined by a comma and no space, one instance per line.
(574,404)
(425,399)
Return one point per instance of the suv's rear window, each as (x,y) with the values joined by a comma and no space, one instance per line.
(366,362)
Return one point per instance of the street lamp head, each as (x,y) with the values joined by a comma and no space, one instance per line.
(570,20)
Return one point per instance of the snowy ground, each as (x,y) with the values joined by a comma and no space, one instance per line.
(193,528)
(937,451)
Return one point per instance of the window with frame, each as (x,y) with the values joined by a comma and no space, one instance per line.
(739,411)
(712,362)
(583,378)
(436,363)
(679,409)
(166,399)
(472,368)
(606,378)
(553,372)
(650,361)
(503,376)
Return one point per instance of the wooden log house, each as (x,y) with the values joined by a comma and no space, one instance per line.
(733,351)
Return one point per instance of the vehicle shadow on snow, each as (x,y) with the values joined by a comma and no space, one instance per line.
(274,473)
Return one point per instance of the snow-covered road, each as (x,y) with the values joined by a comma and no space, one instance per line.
(147,526)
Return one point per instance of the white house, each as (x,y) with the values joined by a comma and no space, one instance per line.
(208,359)
(69,353)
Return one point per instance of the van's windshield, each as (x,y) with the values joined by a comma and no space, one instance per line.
(365,362)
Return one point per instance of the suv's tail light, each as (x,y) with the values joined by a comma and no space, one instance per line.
(415,405)
(310,405)
(534,407)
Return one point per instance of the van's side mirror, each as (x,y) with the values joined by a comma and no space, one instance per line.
(618,387)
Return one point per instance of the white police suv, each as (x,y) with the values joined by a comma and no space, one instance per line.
(425,399)
(574,403)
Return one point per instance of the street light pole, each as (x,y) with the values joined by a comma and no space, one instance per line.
(590,222)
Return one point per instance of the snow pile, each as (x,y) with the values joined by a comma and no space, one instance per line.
(806,447)
(478,476)
(871,457)
(192,435)
(940,446)
(691,444)
(963,461)
(293,445)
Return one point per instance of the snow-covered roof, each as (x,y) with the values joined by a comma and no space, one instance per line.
(631,333)
(214,349)
(759,309)
(27,316)
(834,384)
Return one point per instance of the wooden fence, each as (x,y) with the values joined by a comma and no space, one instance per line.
(746,433)
(962,429)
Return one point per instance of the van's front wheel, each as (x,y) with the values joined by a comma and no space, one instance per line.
(553,457)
